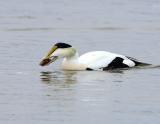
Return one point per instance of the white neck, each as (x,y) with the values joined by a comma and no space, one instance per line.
(72,63)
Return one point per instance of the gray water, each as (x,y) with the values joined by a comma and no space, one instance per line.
(32,94)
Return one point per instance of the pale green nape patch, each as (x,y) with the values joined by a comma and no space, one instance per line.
(68,52)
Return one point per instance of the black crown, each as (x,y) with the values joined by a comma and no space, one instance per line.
(62,45)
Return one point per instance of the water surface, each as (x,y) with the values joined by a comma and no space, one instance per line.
(32,94)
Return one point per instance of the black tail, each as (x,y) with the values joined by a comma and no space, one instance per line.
(138,63)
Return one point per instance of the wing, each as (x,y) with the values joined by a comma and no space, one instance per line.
(137,62)
(102,59)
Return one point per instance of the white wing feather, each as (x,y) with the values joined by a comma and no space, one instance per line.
(100,59)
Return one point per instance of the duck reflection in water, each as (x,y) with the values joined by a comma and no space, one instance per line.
(64,78)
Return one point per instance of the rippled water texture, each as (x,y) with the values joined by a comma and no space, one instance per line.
(47,95)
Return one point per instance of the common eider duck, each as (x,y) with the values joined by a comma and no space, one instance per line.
(95,60)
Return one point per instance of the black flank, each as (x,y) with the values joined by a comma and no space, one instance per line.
(116,63)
